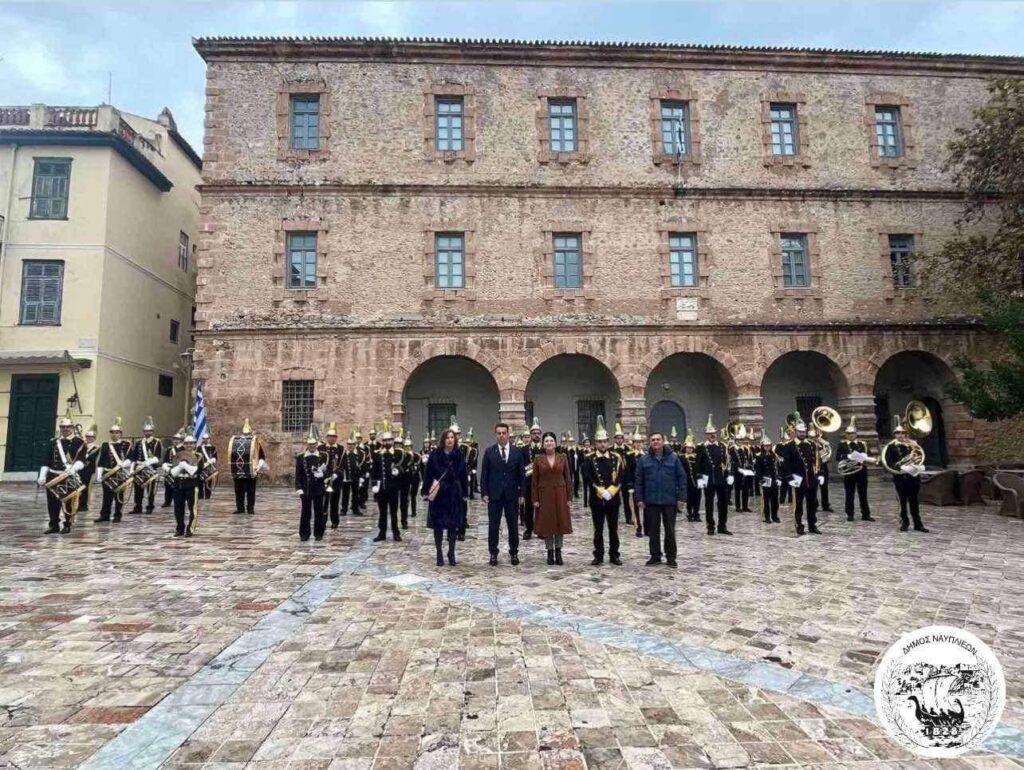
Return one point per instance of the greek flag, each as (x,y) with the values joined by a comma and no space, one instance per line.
(199,415)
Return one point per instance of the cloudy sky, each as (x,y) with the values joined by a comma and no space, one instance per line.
(61,52)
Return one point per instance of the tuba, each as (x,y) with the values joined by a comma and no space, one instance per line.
(918,421)
(826,420)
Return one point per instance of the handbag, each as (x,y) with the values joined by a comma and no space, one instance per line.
(435,488)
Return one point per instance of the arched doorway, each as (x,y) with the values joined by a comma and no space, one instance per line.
(799,381)
(914,375)
(567,392)
(447,386)
(666,415)
(696,385)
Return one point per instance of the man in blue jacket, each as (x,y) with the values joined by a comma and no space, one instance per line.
(659,489)
(502,485)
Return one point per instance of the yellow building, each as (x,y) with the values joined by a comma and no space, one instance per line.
(98,216)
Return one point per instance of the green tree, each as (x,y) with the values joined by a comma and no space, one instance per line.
(980,270)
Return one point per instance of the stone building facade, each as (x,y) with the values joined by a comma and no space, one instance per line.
(775,177)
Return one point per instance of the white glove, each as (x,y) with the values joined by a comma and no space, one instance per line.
(906,468)
(730,479)
(181,464)
(821,480)
(166,467)
(152,461)
(176,470)
(857,457)
(192,469)
(317,473)
(298,492)
(376,488)
(424,459)
(77,465)
(796,480)
(702,482)
(394,471)
(99,474)
(362,482)
(746,472)
(126,463)
(606,495)
(261,465)
(765,481)
(920,468)
(778,482)
(42,476)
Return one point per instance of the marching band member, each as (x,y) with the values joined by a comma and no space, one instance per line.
(603,473)
(532,449)
(416,463)
(335,454)
(897,456)
(311,472)
(174,446)
(621,448)
(737,459)
(825,506)
(802,467)
(406,470)
(352,474)
(464,451)
(66,455)
(247,458)
(786,491)
(386,469)
(715,478)
(472,456)
(768,473)
(693,492)
(853,449)
(629,481)
(209,453)
(184,470)
(90,454)
(147,452)
(113,455)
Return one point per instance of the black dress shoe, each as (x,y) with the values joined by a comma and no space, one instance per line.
(724,532)
(814,531)
(380,538)
(616,561)
(528,534)
(135,510)
(639,533)
(711,531)
(65,529)
(117,517)
(866,518)
(776,520)
(440,560)
(921,529)
(493,561)
(397,538)
(904,527)
(236,512)
(188,534)
(514,559)
(318,539)
(179,534)
(799,532)
(849,517)
(51,531)
(304,539)
(462,536)
(149,510)
(595,561)
(828,510)
(451,558)
(651,562)
(671,563)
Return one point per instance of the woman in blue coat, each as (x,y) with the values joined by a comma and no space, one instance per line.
(447,468)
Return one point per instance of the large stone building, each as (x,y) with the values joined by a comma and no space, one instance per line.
(407,229)
(99,212)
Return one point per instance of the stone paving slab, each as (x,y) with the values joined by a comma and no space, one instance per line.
(99,627)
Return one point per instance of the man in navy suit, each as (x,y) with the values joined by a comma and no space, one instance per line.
(502,484)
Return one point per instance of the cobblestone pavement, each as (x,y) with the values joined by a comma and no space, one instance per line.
(123,647)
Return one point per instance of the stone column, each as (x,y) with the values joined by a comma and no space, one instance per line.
(862,407)
(633,412)
(513,413)
(397,416)
(748,409)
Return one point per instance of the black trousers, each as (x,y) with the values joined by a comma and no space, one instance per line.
(414,488)
(737,490)
(110,501)
(770,502)
(149,493)
(627,503)
(806,498)
(245,495)
(403,501)
(350,496)
(607,512)
(693,495)
(857,482)
(473,489)
(823,490)
(186,496)
(496,511)
(575,484)
(658,517)
(785,494)
(716,493)
(83,499)
(168,494)
(312,508)
(528,510)
(753,487)
(331,503)
(54,509)
(387,508)
(908,488)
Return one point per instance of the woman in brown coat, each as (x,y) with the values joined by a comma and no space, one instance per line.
(551,492)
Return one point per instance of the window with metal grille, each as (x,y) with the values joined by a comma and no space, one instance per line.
(184,251)
(301,260)
(675,127)
(305,114)
(888,131)
(562,119)
(806,404)
(165,385)
(50,182)
(439,418)
(42,284)
(901,255)
(682,259)
(296,404)
(568,260)
(795,272)
(784,138)
(448,115)
(450,266)
(175,328)
(587,411)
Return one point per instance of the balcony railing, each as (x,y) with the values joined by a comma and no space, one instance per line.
(103,118)
(72,117)
(15,116)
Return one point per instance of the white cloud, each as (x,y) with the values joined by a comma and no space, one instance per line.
(383,19)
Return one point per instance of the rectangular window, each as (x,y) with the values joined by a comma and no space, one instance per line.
(175,328)
(901,255)
(682,259)
(795,272)
(888,132)
(184,251)
(305,117)
(448,112)
(449,263)
(302,261)
(568,261)
(806,404)
(165,386)
(296,404)
(784,138)
(42,284)
(675,128)
(439,418)
(528,408)
(587,411)
(883,417)
(562,119)
(50,181)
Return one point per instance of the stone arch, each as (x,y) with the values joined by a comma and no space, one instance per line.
(798,380)
(456,385)
(727,363)
(842,366)
(420,352)
(696,382)
(918,375)
(531,359)
(563,391)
